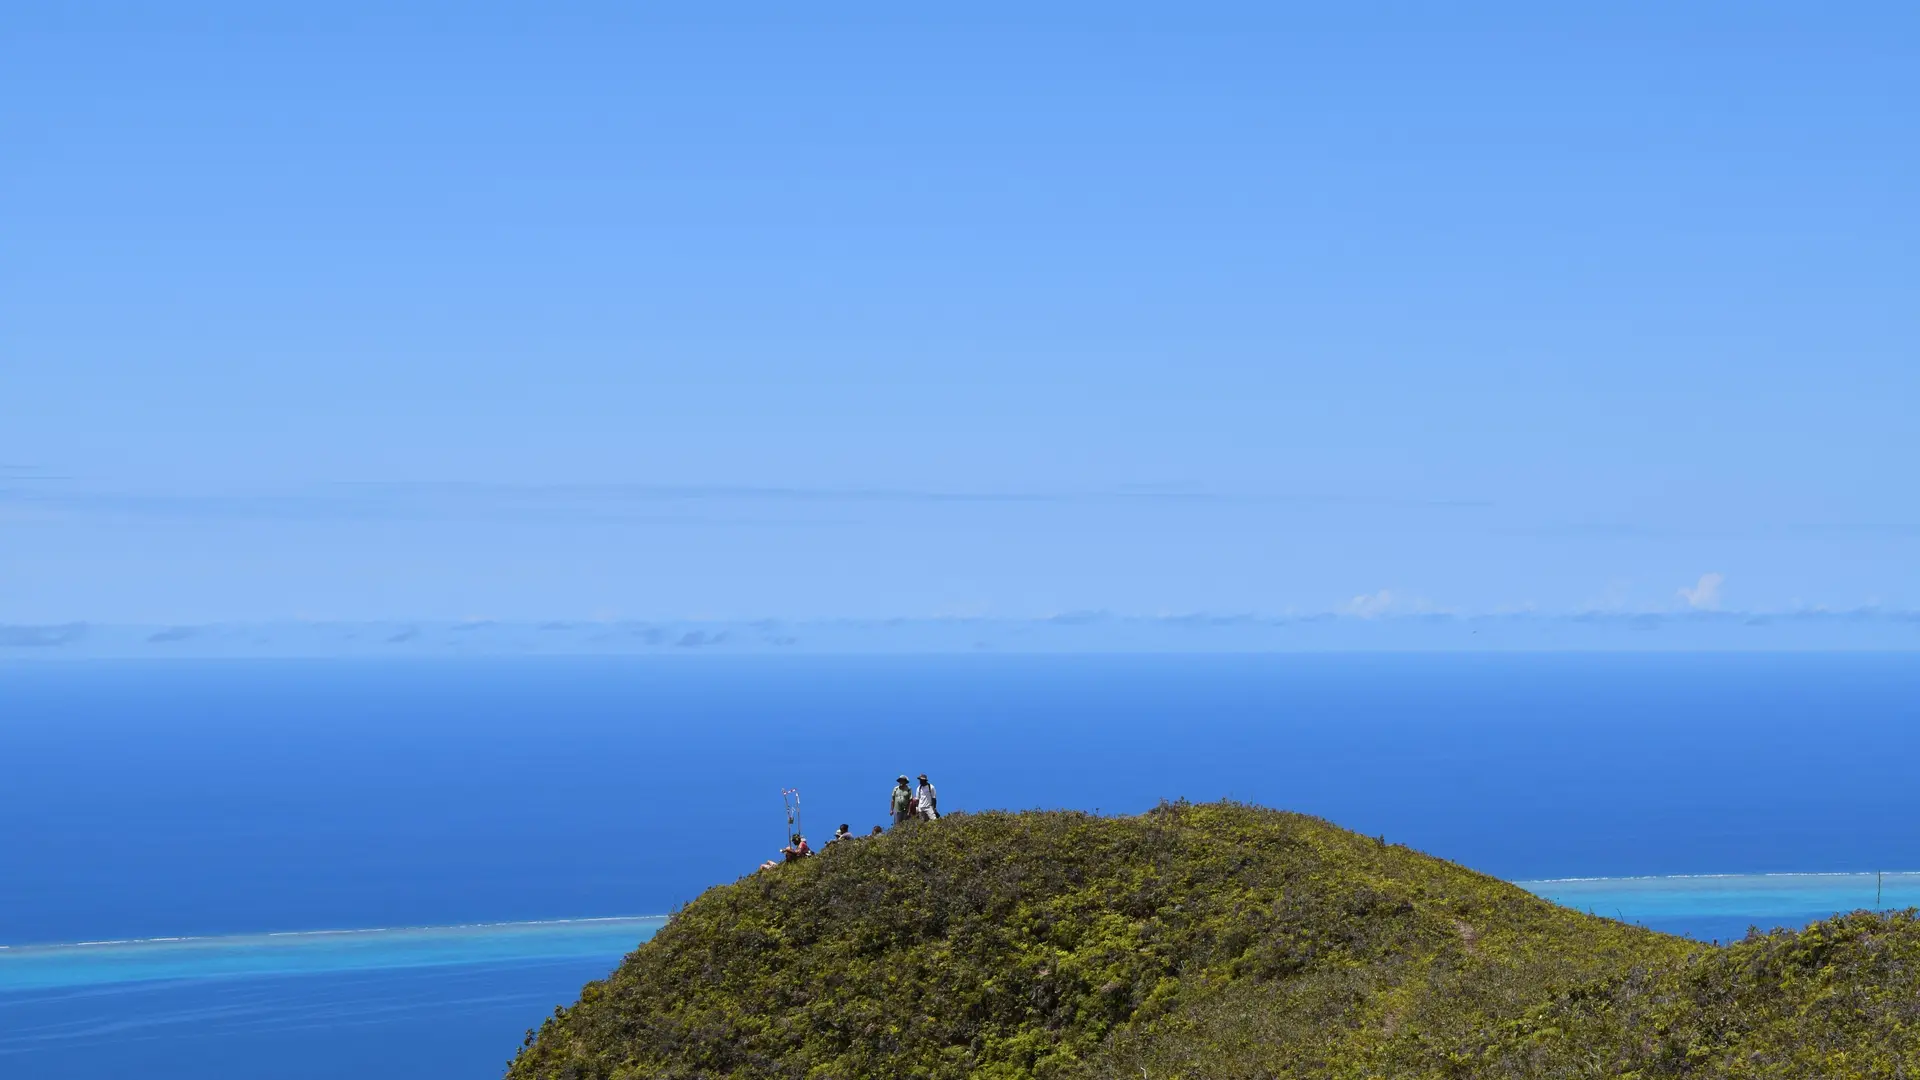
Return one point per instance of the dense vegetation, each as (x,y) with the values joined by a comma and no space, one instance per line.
(1216,942)
(1840,998)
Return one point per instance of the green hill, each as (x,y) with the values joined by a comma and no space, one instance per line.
(1217,941)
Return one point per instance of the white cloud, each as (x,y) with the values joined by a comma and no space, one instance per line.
(1705,593)
(1368,605)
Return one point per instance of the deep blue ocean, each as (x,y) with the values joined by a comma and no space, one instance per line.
(236,801)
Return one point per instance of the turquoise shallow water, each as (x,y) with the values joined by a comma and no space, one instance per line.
(1724,906)
(402,1002)
(44,967)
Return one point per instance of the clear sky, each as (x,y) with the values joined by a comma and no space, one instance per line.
(860,309)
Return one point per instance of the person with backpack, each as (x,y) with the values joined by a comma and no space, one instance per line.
(902,805)
(925,802)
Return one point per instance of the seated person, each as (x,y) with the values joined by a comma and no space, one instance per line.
(843,833)
(796,850)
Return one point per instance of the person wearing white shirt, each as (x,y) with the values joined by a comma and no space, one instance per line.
(925,801)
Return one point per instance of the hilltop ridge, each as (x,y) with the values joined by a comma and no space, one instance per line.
(1214,941)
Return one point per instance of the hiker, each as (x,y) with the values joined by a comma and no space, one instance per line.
(925,802)
(842,833)
(796,850)
(876,830)
(902,804)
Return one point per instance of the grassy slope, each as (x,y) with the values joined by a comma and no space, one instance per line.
(1194,941)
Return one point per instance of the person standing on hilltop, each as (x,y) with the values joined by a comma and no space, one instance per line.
(902,804)
(925,802)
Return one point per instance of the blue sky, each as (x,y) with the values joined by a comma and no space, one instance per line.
(848,310)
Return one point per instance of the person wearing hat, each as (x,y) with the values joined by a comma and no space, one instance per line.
(925,803)
(902,804)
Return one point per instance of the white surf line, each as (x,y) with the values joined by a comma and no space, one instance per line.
(449,926)
(257,935)
(1711,877)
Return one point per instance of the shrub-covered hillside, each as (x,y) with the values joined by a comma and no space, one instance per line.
(1840,998)
(1193,941)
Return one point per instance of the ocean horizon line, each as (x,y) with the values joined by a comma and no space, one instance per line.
(1809,630)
